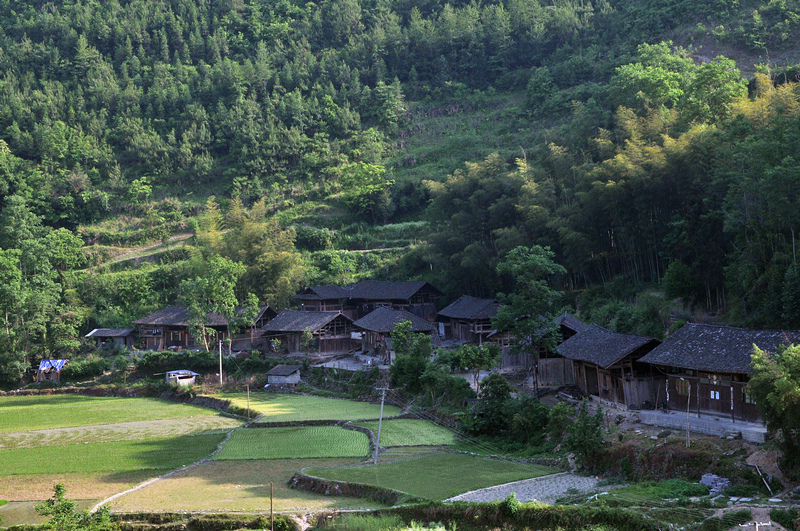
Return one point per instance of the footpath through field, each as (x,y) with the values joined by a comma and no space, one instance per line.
(545,489)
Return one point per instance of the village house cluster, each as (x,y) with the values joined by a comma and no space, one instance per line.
(702,369)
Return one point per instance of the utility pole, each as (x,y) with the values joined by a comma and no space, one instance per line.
(220,365)
(380,421)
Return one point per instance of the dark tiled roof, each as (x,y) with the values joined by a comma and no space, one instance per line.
(110,332)
(704,347)
(375,290)
(297,321)
(467,307)
(327,292)
(179,316)
(602,347)
(571,322)
(384,320)
(284,370)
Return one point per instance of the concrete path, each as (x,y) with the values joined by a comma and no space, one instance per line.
(545,489)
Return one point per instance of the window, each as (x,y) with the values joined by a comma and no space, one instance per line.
(682,387)
(714,395)
(747,396)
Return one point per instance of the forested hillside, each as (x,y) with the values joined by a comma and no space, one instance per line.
(346,139)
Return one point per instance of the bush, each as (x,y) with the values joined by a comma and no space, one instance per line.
(788,518)
(85,369)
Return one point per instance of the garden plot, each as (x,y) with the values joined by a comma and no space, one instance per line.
(294,442)
(29,413)
(237,486)
(435,476)
(276,407)
(411,432)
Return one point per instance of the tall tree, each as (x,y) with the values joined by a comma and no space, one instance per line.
(529,311)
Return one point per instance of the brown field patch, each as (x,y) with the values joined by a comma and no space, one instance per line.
(37,487)
(237,486)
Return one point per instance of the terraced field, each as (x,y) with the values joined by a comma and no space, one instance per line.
(294,442)
(445,474)
(28,413)
(238,486)
(411,432)
(97,446)
(277,407)
(123,431)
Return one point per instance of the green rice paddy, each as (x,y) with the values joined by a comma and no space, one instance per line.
(294,442)
(436,476)
(282,407)
(411,432)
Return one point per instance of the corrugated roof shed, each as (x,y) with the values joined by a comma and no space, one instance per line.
(466,307)
(601,346)
(703,347)
(284,370)
(297,321)
(384,320)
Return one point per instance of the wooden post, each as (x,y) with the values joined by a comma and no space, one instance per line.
(271,514)
(248,403)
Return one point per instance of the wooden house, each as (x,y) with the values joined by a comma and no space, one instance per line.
(707,368)
(169,328)
(284,375)
(378,325)
(608,365)
(357,300)
(113,337)
(331,332)
(469,319)
(181,377)
(50,370)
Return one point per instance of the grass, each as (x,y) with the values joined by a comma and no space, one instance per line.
(411,432)
(26,413)
(436,476)
(294,442)
(163,454)
(280,407)
(238,486)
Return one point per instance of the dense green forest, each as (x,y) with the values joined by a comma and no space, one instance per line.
(345,139)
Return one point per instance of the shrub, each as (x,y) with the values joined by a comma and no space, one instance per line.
(84,369)
(788,518)
(510,506)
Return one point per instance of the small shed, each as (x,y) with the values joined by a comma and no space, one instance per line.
(182,377)
(113,337)
(50,370)
(284,375)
